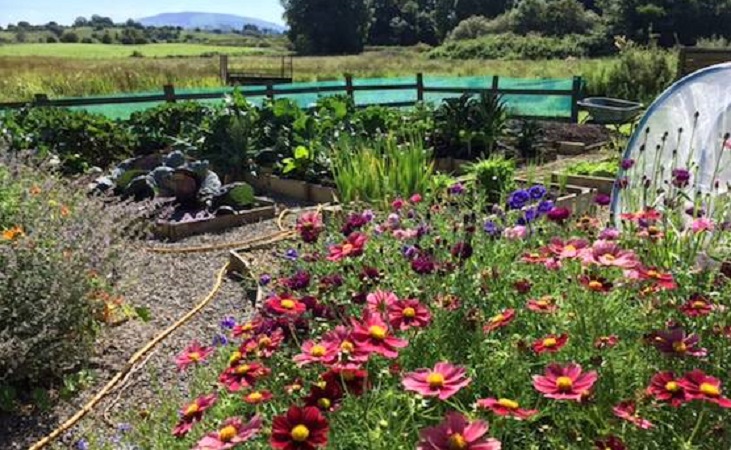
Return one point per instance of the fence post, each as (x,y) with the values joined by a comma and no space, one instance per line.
(41,100)
(575,97)
(223,62)
(495,84)
(169,91)
(349,90)
(270,91)
(419,87)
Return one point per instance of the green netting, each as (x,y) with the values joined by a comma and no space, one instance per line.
(556,106)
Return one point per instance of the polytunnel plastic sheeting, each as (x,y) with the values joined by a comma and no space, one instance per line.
(696,115)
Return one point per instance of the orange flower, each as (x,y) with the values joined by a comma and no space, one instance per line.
(65,211)
(35,190)
(12,234)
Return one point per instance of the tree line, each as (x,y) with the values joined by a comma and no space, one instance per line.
(346,26)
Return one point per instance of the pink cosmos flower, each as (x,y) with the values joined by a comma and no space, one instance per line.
(408,313)
(404,234)
(663,280)
(699,386)
(416,198)
(313,352)
(380,301)
(696,306)
(702,224)
(233,432)
(285,305)
(353,246)
(263,345)
(608,253)
(609,234)
(604,342)
(443,381)
(543,305)
(398,204)
(500,320)
(242,375)
(258,397)
(195,353)
(309,226)
(348,352)
(193,413)
(506,407)
(515,233)
(666,388)
(550,344)
(372,335)
(553,264)
(564,382)
(567,250)
(627,410)
(456,432)
(676,342)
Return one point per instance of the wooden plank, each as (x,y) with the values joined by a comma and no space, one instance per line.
(447,90)
(349,91)
(169,92)
(420,87)
(388,87)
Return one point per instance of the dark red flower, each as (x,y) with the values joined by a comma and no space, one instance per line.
(550,344)
(699,386)
(676,342)
(300,429)
(610,443)
(559,215)
(353,381)
(499,320)
(696,306)
(627,410)
(666,388)
(325,396)
(606,342)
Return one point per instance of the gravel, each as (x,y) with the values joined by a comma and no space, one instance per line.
(169,285)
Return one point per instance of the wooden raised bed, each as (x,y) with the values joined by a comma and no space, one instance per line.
(175,231)
(294,189)
(600,184)
(450,165)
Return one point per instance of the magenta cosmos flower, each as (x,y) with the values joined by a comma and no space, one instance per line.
(233,432)
(309,226)
(666,388)
(285,305)
(193,413)
(443,381)
(550,344)
(194,354)
(627,410)
(456,432)
(608,253)
(500,320)
(567,250)
(506,407)
(325,352)
(380,301)
(372,335)
(676,342)
(409,313)
(242,375)
(699,386)
(696,306)
(564,382)
(352,246)
(543,305)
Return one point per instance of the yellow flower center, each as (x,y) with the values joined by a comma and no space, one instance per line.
(348,249)
(652,274)
(569,248)
(377,332)
(710,390)
(300,433)
(435,380)
(653,230)
(194,356)
(498,318)
(534,255)
(287,304)
(324,403)
(192,409)
(347,347)
(409,313)
(699,304)
(507,403)
(550,342)
(318,351)
(457,442)
(672,386)
(564,383)
(542,303)
(595,285)
(235,358)
(680,347)
(609,257)
(227,433)
(243,369)
(265,341)
(256,396)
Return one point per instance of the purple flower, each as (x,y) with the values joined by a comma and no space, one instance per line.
(82,444)
(531,215)
(537,192)
(369,215)
(462,250)
(627,164)
(228,323)
(220,340)
(265,279)
(491,228)
(393,219)
(125,427)
(545,206)
(602,199)
(457,189)
(609,234)
(518,199)
(409,251)
(291,254)
(422,230)
(300,280)
(423,264)
(681,178)
(353,223)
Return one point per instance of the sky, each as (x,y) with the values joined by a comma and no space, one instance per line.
(65,11)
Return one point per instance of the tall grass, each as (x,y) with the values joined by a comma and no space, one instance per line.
(380,169)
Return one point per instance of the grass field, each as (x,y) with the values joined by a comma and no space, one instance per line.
(80,74)
(102,51)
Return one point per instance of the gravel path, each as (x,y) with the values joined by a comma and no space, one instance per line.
(169,285)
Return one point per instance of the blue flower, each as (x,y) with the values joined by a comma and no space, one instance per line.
(82,444)
(491,228)
(220,340)
(537,192)
(228,323)
(291,254)
(545,206)
(124,427)
(265,279)
(518,199)
(531,215)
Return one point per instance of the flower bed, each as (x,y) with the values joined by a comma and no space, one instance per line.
(417,327)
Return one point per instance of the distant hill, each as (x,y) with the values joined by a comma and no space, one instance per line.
(208,21)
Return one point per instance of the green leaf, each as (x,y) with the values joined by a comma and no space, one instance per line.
(301,152)
(143,313)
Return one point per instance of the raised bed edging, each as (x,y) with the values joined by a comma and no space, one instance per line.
(601,184)
(294,189)
(177,231)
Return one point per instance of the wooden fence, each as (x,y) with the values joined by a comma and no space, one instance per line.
(350,88)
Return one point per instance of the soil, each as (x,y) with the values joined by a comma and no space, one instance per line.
(169,285)
(571,132)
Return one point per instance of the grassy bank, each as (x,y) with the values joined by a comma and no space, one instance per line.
(103,51)
(23,76)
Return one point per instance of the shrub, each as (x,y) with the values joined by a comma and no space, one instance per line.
(471,28)
(552,17)
(639,74)
(496,176)
(468,126)
(160,126)
(512,46)
(51,40)
(56,251)
(70,37)
(80,139)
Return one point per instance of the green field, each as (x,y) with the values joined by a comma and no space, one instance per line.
(104,51)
